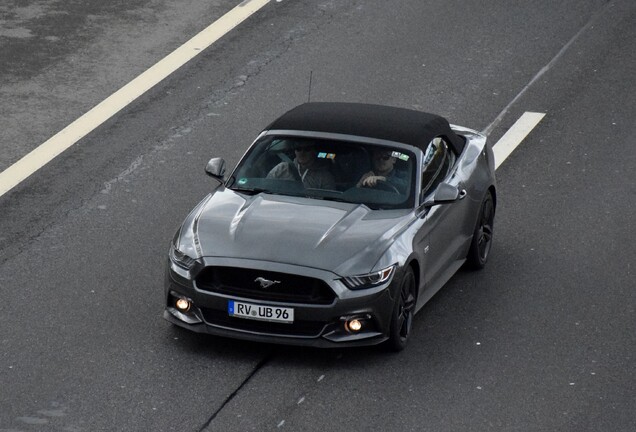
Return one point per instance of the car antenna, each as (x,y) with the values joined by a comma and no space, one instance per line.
(311,72)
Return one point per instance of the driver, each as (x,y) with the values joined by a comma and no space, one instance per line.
(306,167)
(383,162)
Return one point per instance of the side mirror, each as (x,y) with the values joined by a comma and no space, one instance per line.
(216,168)
(444,194)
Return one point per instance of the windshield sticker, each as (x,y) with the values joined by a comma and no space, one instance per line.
(242,181)
(400,156)
(325,155)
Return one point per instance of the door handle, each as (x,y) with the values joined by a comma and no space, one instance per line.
(462,194)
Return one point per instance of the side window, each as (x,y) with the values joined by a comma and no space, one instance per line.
(438,160)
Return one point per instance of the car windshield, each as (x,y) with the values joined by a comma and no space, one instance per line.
(381,177)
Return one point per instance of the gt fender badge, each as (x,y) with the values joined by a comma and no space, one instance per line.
(265,283)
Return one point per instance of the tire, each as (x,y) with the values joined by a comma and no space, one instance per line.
(403,313)
(483,235)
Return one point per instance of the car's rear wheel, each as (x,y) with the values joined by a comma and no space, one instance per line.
(403,313)
(482,237)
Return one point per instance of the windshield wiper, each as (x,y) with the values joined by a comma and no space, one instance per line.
(252,191)
(328,198)
(256,191)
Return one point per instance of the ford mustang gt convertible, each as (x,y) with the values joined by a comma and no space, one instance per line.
(338,224)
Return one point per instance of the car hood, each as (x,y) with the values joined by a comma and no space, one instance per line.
(333,236)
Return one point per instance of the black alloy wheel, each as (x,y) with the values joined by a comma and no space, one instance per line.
(482,237)
(403,313)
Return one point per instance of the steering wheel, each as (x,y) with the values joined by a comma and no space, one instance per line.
(385,186)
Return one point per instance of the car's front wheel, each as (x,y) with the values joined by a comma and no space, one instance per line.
(482,237)
(403,313)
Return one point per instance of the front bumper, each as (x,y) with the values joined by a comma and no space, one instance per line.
(317,325)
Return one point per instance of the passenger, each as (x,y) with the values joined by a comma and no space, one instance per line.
(383,170)
(306,167)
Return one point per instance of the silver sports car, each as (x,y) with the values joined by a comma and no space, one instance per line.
(338,224)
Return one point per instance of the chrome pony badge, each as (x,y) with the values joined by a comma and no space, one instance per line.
(265,283)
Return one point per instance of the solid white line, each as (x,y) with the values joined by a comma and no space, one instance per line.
(75,131)
(513,137)
(541,72)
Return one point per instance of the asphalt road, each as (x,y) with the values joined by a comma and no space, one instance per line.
(542,339)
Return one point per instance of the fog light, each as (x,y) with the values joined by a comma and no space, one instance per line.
(354,326)
(183,305)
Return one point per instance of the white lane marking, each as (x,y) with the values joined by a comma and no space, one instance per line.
(75,131)
(541,72)
(513,137)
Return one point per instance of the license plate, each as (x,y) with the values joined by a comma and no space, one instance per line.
(260,312)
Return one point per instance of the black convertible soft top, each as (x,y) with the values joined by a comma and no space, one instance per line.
(373,121)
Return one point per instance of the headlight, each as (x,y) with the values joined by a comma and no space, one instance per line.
(180,258)
(369,280)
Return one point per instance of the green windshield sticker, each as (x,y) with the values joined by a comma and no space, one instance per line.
(242,181)
(400,156)
(325,155)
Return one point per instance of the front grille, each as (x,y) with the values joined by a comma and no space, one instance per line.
(298,328)
(241,282)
